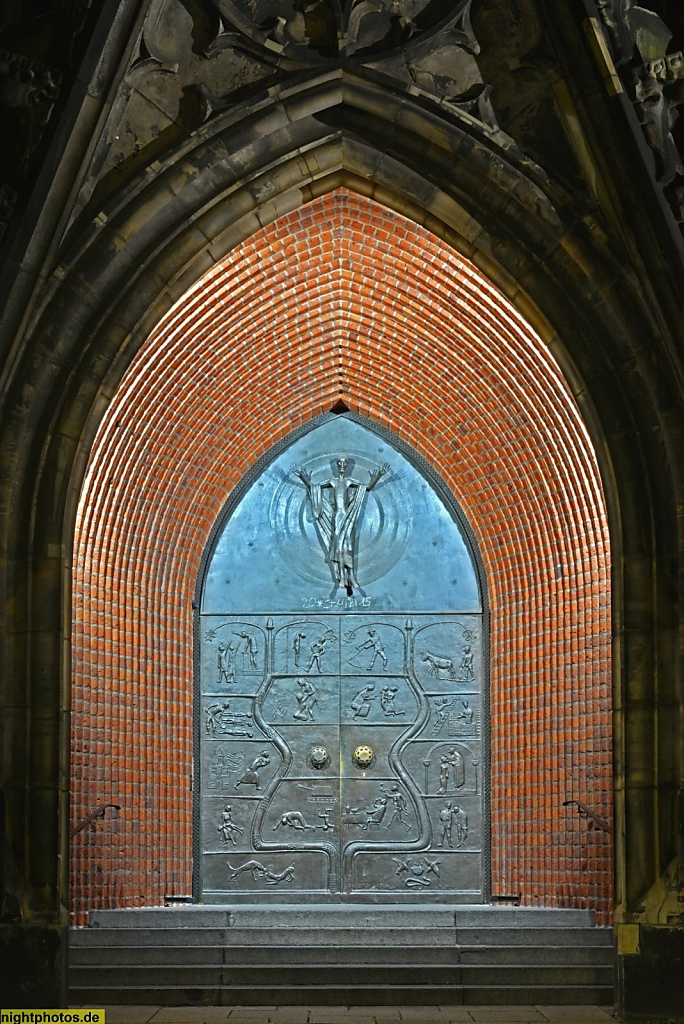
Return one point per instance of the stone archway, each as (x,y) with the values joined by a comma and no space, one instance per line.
(142,251)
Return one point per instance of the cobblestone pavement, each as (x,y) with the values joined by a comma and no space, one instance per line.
(359,1015)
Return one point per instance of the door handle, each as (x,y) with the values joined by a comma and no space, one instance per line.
(319,757)
(363,756)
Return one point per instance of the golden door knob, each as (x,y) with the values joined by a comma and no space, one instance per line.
(363,756)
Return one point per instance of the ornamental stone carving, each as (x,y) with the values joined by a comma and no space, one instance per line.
(193,60)
(639,40)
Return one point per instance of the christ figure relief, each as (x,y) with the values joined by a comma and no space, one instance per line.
(336,505)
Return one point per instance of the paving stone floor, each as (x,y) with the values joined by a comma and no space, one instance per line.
(359,1015)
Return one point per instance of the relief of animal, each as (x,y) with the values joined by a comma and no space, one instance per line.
(440,668)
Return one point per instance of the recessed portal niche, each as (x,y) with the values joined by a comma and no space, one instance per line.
(465,383)
(341,697)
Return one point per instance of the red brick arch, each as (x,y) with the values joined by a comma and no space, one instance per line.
(342,299)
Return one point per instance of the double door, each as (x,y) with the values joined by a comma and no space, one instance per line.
(341,757)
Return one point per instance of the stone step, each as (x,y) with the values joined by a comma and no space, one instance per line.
(601,955)
(356,954)
(285,915)
(521,917)
(262,936)
(592,956)
(325,975)
(356,995)
(529,936)
(330,936)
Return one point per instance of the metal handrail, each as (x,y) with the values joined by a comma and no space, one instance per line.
(99,813)
(586,812)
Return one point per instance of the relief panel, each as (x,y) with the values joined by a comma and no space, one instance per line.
(341,685)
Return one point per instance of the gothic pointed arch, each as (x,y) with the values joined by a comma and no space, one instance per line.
(344,299)
(142,249)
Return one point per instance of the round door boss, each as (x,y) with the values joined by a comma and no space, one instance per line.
(363,756)
(319,757)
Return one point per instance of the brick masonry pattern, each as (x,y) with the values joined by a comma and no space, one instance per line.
(342,299)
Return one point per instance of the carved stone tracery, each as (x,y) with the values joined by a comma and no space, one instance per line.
(654,79)
(195,59)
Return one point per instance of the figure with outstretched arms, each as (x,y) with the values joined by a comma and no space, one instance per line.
(336,505)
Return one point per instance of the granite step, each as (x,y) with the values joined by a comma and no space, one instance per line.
(599,955)
(285,915)
(324,975)
(361,955)
(263,936)
(512,936)
(358,995)
(330,936)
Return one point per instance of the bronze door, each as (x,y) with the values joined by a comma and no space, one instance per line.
(340,744)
